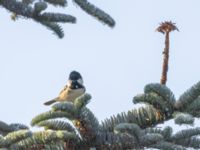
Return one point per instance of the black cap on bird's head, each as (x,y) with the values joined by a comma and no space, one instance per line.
(74,75)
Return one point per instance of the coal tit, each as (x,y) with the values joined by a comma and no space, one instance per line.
(71,91)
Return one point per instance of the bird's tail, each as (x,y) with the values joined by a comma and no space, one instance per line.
(50,102)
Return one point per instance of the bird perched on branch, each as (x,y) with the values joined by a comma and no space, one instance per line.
(71,91)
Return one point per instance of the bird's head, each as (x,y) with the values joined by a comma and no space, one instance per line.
(76,76)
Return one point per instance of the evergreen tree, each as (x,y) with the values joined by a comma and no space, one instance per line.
(35,9)
(72,126)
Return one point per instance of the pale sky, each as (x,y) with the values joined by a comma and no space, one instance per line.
(115,63)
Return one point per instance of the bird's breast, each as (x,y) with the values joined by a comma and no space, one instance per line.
(71,95)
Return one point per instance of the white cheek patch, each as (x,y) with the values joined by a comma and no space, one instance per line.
(80,81)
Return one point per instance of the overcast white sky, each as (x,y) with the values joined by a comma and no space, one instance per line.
(115,63)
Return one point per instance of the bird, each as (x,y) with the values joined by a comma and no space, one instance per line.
(73,89)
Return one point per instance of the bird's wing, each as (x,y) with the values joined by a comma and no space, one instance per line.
(64,89)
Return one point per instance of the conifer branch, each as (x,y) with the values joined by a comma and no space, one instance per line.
(151,138)
(132,130)
(56,17)
(56,125)
(39,7)
(184,119)
(157,101)
(146,116)
(54,27)
(193,108)
(61,3)
(188,97)
(193,142)
(15,137)
(82,101)
(50,115)
(168,146)
(166,132)
(26,9)
(19,8)
(187,133)
(43,137)
(95,12)
(128,128)
(161,90)
(109,140)
(5,128)
(160,96)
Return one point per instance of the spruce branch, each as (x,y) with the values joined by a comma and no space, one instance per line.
(26,9)
(65,106)
(38,139)
(193,108)
(109,140)
(50,115)
(187,133)
(57,17)
(168,146)
(82,118)
(152,130)
(87,124)
(82,101)
(146,116)
(158,95)
(157,101)
(39,7)
(193,142)
(132,130)
(28,2)
(188,97)
(17,7)
(95,12)
(184,119)
(79,103)
(5,128)
(151,138)
(56,125)
(166,132)
(55,146)
(61,3)
(15,137)
(161,90)
(18,126)
(57,29)
(87,116)
(129,128)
